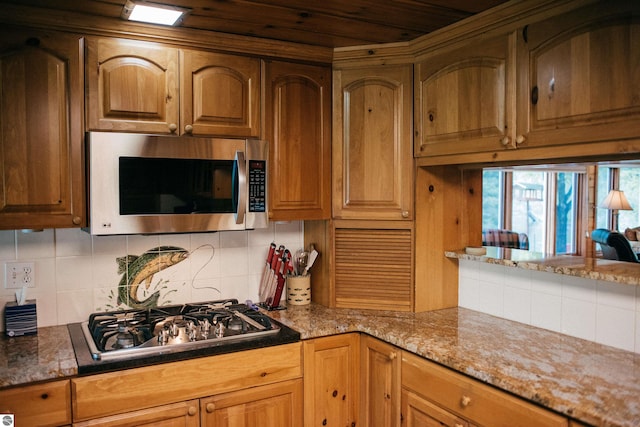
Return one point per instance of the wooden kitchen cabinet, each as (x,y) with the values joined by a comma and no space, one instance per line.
(380,395)
(41,135)
(274,405)
(461,103)
(220,94)
(181,414)
(132,86)
(435,395)
(373,265)
(47,404)
(331,381)
(298,127)
(372,143)
(578,79)
(419,412)
(127,391)
(137,86)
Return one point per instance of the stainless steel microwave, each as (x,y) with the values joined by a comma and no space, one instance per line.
(148,184)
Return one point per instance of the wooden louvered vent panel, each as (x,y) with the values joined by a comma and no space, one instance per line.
(373,269)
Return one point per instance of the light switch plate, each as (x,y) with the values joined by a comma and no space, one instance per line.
(19,274)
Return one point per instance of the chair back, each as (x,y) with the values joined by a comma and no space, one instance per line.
(614,245)
(505,239)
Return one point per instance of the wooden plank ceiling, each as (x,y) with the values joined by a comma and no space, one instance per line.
(328,23)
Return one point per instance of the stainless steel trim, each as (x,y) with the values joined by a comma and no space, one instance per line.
(153,347)
(242,187)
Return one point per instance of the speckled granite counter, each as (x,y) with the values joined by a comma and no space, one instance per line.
(588,268)
(593,383)
(45,356)
(590,382)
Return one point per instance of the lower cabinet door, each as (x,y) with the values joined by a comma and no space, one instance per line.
(418,412)
(181,414)
(274,405)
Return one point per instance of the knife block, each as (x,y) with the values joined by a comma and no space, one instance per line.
(299,290)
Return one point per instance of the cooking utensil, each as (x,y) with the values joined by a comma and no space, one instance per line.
(312,258)
(301,261)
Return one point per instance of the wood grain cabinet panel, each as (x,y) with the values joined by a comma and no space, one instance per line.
(477,403)
(461,100)
(275,405)
(372,148)
(298,128)
(47,404)
(180,414)
(373,268)
(578,76)
(41,139)
(137,86)
(380,395)
(129,390)
(331,381)
(132,86)
(220,94)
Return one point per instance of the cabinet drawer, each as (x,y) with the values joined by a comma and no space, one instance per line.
(116,392)
(47,404)
(479,403)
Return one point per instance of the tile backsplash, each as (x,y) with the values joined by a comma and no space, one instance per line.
(595,310)
(77,274)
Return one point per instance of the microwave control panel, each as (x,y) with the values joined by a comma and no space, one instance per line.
(257,185)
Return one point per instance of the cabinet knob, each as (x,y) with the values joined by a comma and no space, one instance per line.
(188,129)
(405,214)
(505,141)
(210,408)
(458,425)
(173,127)
(192,410)
(465,401)
(393,355)
(520,139)
(76,220)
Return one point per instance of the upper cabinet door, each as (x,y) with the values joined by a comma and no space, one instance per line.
(220,94)
(372,151)
(579,76)
(461,100)
(41,105)
(298,128)
(132,86)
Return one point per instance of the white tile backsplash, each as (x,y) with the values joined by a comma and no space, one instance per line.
(77,274)
(604,312)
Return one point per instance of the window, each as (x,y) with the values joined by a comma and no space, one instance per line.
(622,177)
(543,203)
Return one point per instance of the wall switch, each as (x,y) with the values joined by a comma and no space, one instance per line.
(19,274)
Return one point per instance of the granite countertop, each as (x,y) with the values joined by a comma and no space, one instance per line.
(583,380)
(593,383)
(588,268)
(32,358)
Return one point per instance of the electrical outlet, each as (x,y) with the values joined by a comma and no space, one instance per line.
(19,274)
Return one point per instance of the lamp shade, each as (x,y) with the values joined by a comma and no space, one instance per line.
(616,200)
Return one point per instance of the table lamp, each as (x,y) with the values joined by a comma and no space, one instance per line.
(616,201)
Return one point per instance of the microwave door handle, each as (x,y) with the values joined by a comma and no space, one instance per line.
(242,187)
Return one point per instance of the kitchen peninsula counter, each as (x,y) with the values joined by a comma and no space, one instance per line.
(593,383)
(590,382)
(588,268)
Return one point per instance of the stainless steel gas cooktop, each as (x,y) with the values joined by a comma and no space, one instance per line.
(220,326)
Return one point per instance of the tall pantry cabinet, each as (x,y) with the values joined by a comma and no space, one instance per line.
(372,226)
(41,107)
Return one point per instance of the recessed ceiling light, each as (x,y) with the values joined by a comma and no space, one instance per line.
(153,13)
